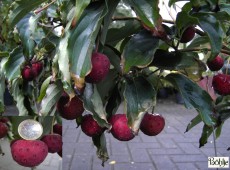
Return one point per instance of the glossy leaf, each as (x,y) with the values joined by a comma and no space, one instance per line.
(115,35)
(195,121)
(100,143)
(53,93)
(174,60)
(12,66)
(139,51)
(93,103)
(212,27)
(114,57)
(137,101)
(80,6)
(43,89)
(198,42)
(21,8)
(207,131)
(148,12)
(194,97)
(26,29)
(83,36)
(18,96)
(46,122)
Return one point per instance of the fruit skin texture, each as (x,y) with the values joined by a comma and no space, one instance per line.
(216,64)
(29,153)
(53,141)
(100,68)
(4,120)
(221,84)
(120,129)
(3,130)
(28,73)
(90,127)
(188,34)
(70,110)
(57,128)
(152,124)
(37,68)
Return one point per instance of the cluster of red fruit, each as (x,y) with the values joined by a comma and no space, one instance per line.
(31,71)
(221,82)
(31,153)
(151,125)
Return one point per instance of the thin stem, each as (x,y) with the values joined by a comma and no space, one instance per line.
(43,8)
(214,141)
(199,49)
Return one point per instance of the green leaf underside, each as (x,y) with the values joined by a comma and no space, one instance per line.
(195,121)
(139,51)
(193,96)
(174,60)
(21,8)
(83,36)
(93,103)
(147,10)
(100,143)
(18,96)
(12,66)
(137,101)
(53,93)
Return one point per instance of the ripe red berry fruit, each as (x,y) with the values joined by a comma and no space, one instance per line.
(120,129)
(100,68)
(37,68)
(29,153)
(221,84)
(57,128)
(4,120)
(27,73)
(70,110)
(188,34)
(3,130)
(90,126)
(216,64)
(53,141)
(152,124)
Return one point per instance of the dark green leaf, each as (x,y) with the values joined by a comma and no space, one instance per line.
(195,121)
(114,57)
(199,41)
(100,143)
(46,122)
(174,60)
(137,101)
(93,103)
(2,90)
(80,7)
(4,54)
(53,93)
(194,96)
(218,131)
(212,27)
(207,131)
(12,66)
(148,11)
(43,89)
(20,9)
(171,2)
(81,42)
(18,96)
(139,51)
(117,34)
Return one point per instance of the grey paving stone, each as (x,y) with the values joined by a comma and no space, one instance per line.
(140,155)
(163,162)
(81,162)
(134,166)
(164,151)
(98,166)
(120,148)
(117,158)
(143,145)
(189,158)
(186,166)
(189,148)
(202,165)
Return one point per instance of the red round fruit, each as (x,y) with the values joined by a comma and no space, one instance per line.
(37,68)
(152,124)
(120,129)
(3,130)
(27,73)
(90,126)
(29,153)
(216,64)
(221,84)
(57,128)
(70,110)
(4,119)
(188,34)
(53,141)
(100,68)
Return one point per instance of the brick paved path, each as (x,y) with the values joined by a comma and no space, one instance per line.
(172,149)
